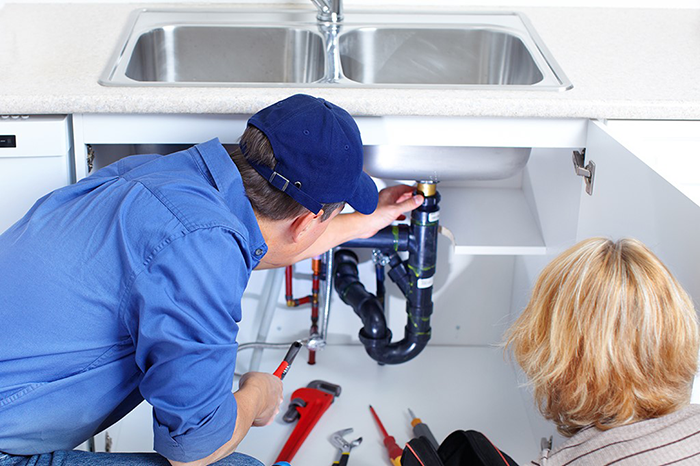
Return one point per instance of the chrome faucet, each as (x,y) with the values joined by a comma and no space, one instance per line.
(329,11)
(330,17)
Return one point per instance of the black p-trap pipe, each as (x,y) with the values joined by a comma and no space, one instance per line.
(413,277)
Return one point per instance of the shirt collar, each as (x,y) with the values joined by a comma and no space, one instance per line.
(227,180)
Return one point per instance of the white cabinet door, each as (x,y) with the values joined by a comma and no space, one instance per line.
(630,199)
(34,159)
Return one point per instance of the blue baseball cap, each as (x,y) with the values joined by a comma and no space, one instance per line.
(319,154)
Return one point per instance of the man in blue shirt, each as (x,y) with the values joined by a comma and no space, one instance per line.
(127,285)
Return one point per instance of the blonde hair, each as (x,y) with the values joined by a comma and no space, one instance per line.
(608,338)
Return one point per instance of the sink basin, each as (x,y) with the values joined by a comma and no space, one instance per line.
(226,54)
(444,163)
(476,56)
(287,48)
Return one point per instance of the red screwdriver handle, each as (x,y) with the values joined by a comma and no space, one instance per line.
(392,448)
(283,368)
(281,371)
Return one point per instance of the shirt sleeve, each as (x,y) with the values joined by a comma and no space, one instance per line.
(183,315)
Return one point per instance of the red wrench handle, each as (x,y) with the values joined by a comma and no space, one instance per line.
(316,403)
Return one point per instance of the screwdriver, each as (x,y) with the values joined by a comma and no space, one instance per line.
(392,448)
(283,368)
(420,429)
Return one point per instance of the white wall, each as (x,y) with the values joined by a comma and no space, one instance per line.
(425,3)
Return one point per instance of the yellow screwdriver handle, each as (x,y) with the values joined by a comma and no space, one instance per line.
(396,461)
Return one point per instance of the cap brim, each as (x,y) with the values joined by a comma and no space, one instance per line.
(365,198)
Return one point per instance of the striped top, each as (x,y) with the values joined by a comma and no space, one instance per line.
(673,439)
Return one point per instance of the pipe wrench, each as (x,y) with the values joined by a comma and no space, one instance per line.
(307,406)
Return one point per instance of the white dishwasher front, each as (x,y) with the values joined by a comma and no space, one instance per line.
(34,160)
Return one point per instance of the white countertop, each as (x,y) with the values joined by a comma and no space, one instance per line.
(623,63)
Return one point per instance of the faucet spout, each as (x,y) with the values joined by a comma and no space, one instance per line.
(329,11)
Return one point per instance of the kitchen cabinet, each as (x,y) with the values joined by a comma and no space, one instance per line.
(35,158)
(505,232)
(648,204)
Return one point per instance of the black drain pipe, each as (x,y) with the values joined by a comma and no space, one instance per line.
(365,304)
(413,277)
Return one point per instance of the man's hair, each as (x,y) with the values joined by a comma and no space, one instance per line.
(268,201)
(608,338)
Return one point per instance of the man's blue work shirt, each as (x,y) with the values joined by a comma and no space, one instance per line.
(124,286)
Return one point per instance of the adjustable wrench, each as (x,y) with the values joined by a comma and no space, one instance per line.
(344,446)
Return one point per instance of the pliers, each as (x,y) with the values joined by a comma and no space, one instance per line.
(344,446)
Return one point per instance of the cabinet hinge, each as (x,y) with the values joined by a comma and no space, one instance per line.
(546,443)
(586,171)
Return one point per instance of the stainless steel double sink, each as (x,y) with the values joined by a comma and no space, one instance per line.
(289,48)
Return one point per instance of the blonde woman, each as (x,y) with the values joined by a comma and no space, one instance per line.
(609,342)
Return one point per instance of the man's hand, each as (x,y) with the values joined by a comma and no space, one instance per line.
(258,400)
(394,201)
(268,395)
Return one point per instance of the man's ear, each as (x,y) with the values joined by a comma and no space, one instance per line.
(303,223)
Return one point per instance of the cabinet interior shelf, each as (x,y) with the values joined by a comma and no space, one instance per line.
(490,221)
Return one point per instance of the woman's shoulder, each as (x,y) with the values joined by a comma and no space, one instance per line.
(674,438)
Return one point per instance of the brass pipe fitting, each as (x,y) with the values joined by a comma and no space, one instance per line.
(427,189)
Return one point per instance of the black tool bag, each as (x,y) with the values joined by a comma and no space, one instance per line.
(460,448)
